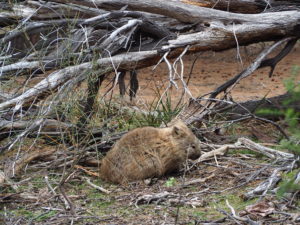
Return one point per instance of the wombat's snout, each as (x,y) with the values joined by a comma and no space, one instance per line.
(194,150)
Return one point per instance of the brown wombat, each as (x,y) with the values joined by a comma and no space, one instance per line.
(149,152)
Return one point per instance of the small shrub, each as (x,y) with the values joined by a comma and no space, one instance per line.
(289,183)
(291,117)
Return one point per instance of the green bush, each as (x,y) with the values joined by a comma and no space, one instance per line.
(293,144)
(291,118)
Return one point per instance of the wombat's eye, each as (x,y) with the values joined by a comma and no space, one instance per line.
(193,146)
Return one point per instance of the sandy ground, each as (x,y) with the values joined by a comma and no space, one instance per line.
(213,69)
(200,202)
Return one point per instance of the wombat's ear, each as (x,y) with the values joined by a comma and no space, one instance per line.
(178,131)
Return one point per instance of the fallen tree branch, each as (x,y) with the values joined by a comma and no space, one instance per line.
(196,111)
(265,150)
(8,128)
(217,152)
(248,144)
(183,12)
(13,167)
(265,186)
(55,79)
(279,157)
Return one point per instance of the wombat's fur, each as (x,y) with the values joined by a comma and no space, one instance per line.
(149,152)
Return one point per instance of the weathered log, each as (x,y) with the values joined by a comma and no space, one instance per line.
(6,20)
(53,10)
(55,79)
(36,10)
(97,41)
(246,6)
(212,38)
(184,12)
(238,6)
(271,153)
(9,128)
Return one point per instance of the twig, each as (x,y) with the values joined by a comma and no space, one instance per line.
(237,45)
(184,84)
(233,212)
(247,220)
(49,185)
(97,187)
(86,171)
(199,180)
(230,216)
(68,204)
(171,73)
(274,124)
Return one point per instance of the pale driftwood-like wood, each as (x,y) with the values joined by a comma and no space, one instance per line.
(212,38)
(248,144)
(8,128)
(157,197)
(125,60)
(187,13)
(41,11)
(198,180)
(283,158)
(2,177)
(266,185)
(216,37)
(265,150)
(238,6)
(97,187)
(217,152)
(246,6)
(52,10)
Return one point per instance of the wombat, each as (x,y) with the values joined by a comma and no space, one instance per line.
(149,152)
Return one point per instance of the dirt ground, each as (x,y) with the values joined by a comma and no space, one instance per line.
(213,69)
(225,179)
(197,196)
